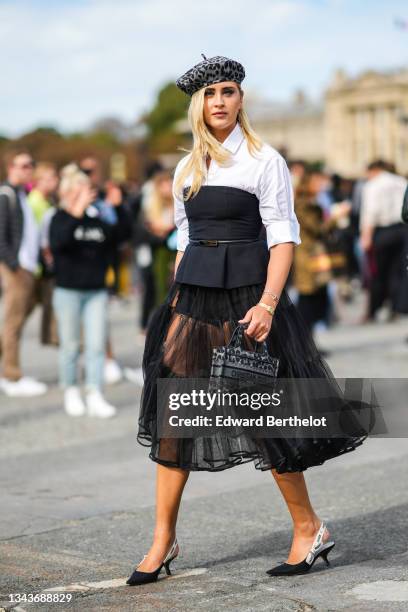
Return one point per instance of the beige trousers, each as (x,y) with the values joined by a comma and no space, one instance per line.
(18,302)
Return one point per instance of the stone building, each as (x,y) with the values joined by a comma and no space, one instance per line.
(360,119)
(366,118)
(295,128)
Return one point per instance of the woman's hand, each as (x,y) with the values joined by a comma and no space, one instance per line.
(179,257)
(340,210)
(260,322)
(113,194)
(47,256)
(366,238)
(366,242)
(83,197)
(159,229)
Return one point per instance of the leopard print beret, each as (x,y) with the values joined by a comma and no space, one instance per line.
(212,70)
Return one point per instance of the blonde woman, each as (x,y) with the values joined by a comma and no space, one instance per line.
(225,189)
(81,242)
(159,220)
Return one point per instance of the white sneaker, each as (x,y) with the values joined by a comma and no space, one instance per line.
(134,375)
(73,404)
(112,372)
(24,387)
(98,406)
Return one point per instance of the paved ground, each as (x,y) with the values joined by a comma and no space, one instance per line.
(77,503)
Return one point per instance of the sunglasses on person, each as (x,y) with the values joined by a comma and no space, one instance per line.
(25,166)
(88,171)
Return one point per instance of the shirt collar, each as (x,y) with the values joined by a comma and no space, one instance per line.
(234,139)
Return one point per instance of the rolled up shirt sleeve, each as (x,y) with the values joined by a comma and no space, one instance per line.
(180,219)
(276,203)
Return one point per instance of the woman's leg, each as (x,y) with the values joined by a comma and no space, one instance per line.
(169,489)
(95,318)
(305,521)
(67,308)
(170,481)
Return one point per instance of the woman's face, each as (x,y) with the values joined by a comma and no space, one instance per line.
(77,190)
(318,182)
(222,102)
(47,182)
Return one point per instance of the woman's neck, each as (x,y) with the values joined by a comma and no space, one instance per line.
(222,135)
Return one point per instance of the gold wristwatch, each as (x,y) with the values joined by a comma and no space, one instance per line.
(270,309)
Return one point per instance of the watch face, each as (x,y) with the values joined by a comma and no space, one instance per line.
(92,211)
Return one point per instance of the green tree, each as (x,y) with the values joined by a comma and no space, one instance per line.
(171,105)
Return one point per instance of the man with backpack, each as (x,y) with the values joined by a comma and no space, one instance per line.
(19,249)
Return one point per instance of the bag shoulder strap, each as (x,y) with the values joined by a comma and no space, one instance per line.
(10,193)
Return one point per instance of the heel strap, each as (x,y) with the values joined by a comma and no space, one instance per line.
(319,537)
(171,551)
(316,543)
(169,554)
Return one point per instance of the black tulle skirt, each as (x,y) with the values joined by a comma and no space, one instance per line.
(180,337)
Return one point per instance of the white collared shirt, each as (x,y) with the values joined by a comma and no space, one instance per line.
(382,198)
(266,175)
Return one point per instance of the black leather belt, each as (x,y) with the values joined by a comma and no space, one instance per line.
(217,242)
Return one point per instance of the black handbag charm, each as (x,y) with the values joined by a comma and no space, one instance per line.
(232,365)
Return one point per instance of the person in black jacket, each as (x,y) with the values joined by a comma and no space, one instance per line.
(19,249)
(81,242)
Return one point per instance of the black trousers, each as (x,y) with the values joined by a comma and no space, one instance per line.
(314,307)
(149,295)
(389,282)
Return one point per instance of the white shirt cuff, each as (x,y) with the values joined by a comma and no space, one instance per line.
(287,230)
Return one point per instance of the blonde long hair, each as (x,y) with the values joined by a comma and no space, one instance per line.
(156,204)
(204,143)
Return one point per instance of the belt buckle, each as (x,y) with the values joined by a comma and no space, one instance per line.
(209,242)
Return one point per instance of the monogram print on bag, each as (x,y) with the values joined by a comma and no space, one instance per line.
(262,364)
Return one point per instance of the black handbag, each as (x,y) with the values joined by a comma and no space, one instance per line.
(232,365)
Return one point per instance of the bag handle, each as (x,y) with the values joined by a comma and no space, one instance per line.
(237,338)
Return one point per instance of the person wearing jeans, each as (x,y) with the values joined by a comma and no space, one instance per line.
(81,241)
(89,307)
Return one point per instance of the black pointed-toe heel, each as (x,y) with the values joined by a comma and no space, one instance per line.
(319,549)
(145,577)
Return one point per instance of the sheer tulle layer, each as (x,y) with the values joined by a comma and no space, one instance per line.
(181,335)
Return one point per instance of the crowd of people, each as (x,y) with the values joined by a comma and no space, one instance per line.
(352,233)
(63,234)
